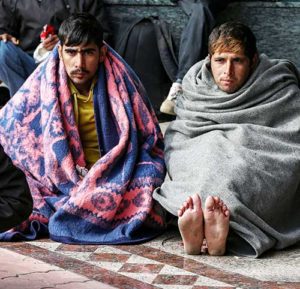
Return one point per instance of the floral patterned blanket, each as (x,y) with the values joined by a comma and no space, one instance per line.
(110,204)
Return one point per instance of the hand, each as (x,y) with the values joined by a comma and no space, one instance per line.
(50,42)
(7,37)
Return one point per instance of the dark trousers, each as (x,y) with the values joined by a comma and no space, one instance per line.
(15,196)
(194,37)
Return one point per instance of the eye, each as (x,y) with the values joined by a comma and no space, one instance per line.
(219,60)
(88,52)
(238,60)
(71,52)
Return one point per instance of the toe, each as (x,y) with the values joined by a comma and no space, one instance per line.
(180,212)
(209,203)
(196,202)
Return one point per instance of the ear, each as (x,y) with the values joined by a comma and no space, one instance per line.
(254,61)
(60,51)
(103,51)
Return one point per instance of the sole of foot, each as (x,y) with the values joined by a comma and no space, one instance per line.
(216,225)
(190,223)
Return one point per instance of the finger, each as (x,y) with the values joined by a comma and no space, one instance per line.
(48,46)
(4,37)
(54,39)
(47,40)
(7,37)
(14,40)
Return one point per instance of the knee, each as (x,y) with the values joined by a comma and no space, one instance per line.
(6,52)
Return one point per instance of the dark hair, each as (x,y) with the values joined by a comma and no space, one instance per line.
(80,28)
(232,36)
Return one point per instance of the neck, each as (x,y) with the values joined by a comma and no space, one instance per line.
(84,89)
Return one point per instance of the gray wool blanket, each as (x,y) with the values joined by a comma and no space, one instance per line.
(243,147)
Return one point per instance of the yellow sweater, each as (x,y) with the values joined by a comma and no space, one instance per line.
(84,116)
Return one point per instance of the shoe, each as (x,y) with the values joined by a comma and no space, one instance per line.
(168,104)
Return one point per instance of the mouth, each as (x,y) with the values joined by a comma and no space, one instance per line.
(227,81)
(79,71)
(79,74)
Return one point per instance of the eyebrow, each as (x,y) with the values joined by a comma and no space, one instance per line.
(70,49)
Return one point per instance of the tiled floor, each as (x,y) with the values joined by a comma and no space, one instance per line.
(156,264)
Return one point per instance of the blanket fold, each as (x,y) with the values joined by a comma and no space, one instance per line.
(243,147)
(113,202)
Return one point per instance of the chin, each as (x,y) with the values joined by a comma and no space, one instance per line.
(226,89)
(79,81)
(229,89)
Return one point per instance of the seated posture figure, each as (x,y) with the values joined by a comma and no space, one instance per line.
(15,197)
(88,141)
(21,23)
(235,147)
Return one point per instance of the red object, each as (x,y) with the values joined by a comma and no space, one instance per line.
(47,31)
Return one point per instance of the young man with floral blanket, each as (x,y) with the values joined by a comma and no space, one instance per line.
(84,133)
(236,146)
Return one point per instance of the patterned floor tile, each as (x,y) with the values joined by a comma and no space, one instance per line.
(175,279)
(205,281)
(110,266)
(109,257)
(77,248)
(140,260)
(173,286)
(82,256)
(51,246)
(171,270)
(109,249)
(215,287)
(141,268)
(160,263)
(145,277)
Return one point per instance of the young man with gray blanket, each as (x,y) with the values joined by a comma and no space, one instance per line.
(235,145)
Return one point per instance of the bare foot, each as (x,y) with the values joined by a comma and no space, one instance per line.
(190,223)
(216,225)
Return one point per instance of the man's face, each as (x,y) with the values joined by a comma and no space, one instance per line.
(230,70)
(81,63)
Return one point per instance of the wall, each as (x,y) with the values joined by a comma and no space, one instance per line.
(275,23)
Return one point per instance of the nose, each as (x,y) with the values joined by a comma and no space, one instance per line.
(228,68)
(79,60)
